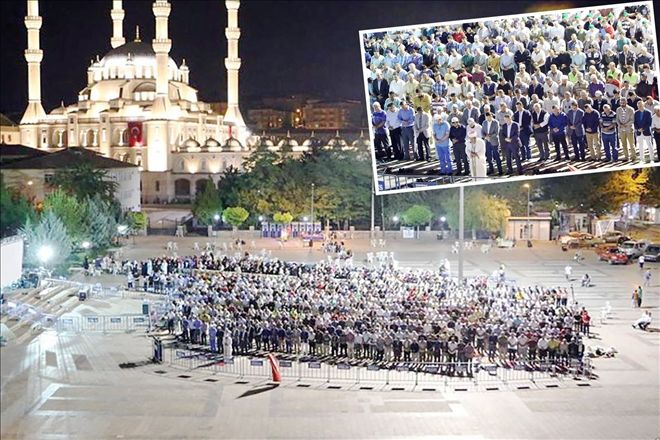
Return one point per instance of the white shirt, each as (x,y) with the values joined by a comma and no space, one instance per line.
(392,121)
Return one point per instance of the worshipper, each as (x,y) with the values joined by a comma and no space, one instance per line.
(393,125)
(523,118)
(407,119)
(625,117)
(441,131)
(557,123)
(644,321)
(490,131)
(591,121)
(608,129)
(511,144)
(457,135)
(643,120)
(423,133)
(476,148)
(381,143)
(576,130)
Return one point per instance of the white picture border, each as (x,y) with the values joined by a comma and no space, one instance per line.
(362,33)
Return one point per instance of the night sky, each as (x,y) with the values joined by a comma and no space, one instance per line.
(288,47)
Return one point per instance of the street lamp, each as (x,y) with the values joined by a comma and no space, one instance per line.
(395,219)
(528,226)
(443,219)
(45,253)
(312,205)
(216,217)
(305,219)
(86,244)
(261,218)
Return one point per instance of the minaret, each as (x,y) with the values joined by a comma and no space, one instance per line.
(157,126)
(33,56)
(233,63)
(162,45)
(117,15)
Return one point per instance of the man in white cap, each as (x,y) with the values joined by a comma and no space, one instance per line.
(476,151)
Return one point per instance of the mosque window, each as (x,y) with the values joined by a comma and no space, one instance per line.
(157,186)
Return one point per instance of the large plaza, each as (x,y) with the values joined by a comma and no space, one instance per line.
(71,382)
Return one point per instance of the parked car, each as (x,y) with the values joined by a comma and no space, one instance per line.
(615,237)
(633,248)
(652,252)
(604,251)
(505,243)
(618,257)
(564,239)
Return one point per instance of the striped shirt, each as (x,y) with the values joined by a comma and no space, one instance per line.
(608,123)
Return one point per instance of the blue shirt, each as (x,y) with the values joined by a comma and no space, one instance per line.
(440,130)
(591,121)
(407,117)
(559,121)
(379,118)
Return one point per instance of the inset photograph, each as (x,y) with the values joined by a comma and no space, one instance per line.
(479,101)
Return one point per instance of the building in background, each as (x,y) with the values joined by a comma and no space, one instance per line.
(138,106)
(32,172)
(10,132)
(337,115)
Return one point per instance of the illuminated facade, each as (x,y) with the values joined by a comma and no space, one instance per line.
(138,106)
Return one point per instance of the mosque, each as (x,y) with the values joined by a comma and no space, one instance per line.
(139,107)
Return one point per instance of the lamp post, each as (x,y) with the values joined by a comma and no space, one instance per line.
(528,234)
(312,207)
(461,232)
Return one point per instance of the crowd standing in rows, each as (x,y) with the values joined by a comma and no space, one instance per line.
(238,305)
(490,91)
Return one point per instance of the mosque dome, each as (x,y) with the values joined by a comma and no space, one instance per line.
(211,143)
(288,143)
(313,142)
(337,142)
(191,145)
(138,52)
(233,145)
(361,143)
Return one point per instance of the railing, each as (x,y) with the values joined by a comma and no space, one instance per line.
(102,323)
(403,374)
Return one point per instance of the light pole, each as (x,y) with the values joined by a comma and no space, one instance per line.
(528,234)
(312,207)
(461,232)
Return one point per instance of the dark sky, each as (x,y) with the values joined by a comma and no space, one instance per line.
(287,47)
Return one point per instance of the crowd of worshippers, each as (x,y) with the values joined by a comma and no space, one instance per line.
(490,91)
(255,304)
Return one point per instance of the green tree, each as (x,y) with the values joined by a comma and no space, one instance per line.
(235,216)
(207,204)
(417,215)
(102,225)
(283,218)
(136,221)
(84,181)
(47,237)
(70,211)
(15,210)
(482,211)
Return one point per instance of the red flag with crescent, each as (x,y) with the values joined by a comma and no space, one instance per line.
(135,134)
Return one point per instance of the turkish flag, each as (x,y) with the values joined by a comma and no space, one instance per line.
(135,134)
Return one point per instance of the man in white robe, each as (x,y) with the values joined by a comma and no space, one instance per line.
(476,151)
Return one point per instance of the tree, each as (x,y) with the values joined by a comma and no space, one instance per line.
(482,211)
(70,211)
(102,225)
(283,218)
(623,187)
(235,216)
(15,210)
(48,234)
(207,204)
(417,215)
(83,181)
(137,221)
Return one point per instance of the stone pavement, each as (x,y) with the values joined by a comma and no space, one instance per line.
(71,386)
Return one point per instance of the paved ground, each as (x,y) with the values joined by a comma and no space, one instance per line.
(71,386)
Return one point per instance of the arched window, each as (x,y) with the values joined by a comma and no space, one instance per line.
(182,188)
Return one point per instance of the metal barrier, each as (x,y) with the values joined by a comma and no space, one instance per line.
(425,375)
(101,323)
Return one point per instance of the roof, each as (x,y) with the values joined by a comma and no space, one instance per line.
(10,153)
(65,159)
(6,122)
